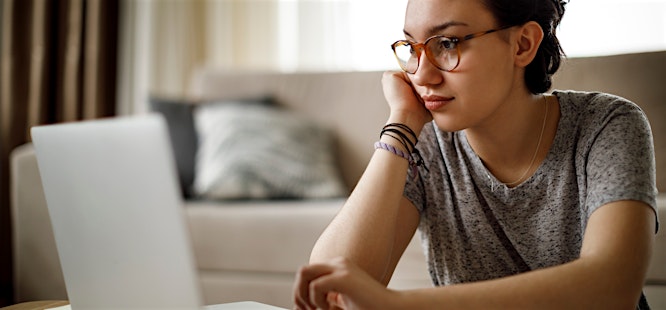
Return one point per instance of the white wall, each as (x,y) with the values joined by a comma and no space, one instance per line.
(604,27)
(165,41)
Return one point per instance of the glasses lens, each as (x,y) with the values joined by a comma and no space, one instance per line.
(442,52)
(408,57)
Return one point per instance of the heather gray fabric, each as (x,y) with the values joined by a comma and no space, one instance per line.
(602,152)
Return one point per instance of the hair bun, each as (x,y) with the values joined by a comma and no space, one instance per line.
(559,5)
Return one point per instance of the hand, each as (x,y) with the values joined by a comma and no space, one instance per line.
(405,104)
(339,284)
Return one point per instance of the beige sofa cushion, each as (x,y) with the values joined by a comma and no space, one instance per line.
(274,236)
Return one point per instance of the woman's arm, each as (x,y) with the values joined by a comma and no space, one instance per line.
(376,223)
(609,274)
(373,228)
(369,234)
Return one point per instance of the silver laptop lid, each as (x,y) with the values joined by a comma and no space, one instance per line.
(114,202)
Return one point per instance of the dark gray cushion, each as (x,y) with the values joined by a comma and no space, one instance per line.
(178,115)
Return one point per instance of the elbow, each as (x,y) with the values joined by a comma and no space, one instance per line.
(626,299)
(627,296)
(619,288)
(324,250)
(604,284)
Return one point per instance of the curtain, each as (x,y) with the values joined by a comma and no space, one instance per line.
(58,64)
(179,37)
(186,35)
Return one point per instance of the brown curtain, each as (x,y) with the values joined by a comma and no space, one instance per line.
(58,64)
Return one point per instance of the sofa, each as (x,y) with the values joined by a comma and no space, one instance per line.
(249,249)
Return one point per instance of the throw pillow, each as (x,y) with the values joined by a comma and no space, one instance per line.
(259,151)
(178,116)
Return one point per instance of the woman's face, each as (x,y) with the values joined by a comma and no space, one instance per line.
(485,76)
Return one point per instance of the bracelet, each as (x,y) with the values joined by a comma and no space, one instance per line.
(400,133)
(400,137)
(403,127)
(392,149)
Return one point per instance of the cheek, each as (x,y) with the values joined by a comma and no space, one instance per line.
(494,61)
(484,77)
(477,97)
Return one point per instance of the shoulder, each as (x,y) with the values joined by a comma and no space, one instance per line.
(593,112)
(595,104)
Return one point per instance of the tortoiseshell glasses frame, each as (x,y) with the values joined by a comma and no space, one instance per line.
(442,51)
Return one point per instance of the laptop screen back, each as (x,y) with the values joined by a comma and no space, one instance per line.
(114,202)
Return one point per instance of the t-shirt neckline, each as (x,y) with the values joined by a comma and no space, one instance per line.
(485,178)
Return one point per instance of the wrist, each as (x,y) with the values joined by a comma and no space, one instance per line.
(408,139)
(414,122)
(399,300)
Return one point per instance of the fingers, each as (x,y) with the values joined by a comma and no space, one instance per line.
(403,99)
(319,293)
(332,298)
(336,300)
(318,286)
(302,290)
(307,291)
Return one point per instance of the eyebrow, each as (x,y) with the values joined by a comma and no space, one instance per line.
(438,28)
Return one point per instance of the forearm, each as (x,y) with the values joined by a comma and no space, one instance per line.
(368,228)
(580,284)
(365,229)
(609,274)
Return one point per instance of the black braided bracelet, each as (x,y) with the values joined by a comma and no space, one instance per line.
(405,128)
(400,136)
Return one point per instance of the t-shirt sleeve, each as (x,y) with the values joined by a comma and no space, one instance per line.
(414,190)
(414,185)
(620,162)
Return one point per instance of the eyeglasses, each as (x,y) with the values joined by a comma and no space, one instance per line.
(442,51)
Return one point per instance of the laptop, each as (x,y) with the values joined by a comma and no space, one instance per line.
(112,194)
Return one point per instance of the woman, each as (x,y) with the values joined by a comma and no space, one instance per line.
(523,199)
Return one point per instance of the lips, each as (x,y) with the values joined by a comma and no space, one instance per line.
(433,102)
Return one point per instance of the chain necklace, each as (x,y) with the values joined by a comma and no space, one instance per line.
(516,182)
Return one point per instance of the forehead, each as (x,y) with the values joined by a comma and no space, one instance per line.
(424,18)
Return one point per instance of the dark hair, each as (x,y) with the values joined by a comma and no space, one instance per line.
(547,13)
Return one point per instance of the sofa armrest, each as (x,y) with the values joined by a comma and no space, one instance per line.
(37,273)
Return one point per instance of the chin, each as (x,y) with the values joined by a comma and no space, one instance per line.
(447,123)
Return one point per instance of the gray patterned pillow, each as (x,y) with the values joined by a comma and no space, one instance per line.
(259,151)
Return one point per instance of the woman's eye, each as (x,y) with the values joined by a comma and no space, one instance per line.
(412,50)
(441,46)
(446,44)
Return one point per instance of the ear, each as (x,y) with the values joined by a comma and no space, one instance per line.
(528,41)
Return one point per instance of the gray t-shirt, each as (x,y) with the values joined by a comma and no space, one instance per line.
(475,228)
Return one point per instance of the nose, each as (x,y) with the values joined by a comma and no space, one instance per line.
(427,74)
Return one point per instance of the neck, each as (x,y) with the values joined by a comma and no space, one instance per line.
(511,142)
